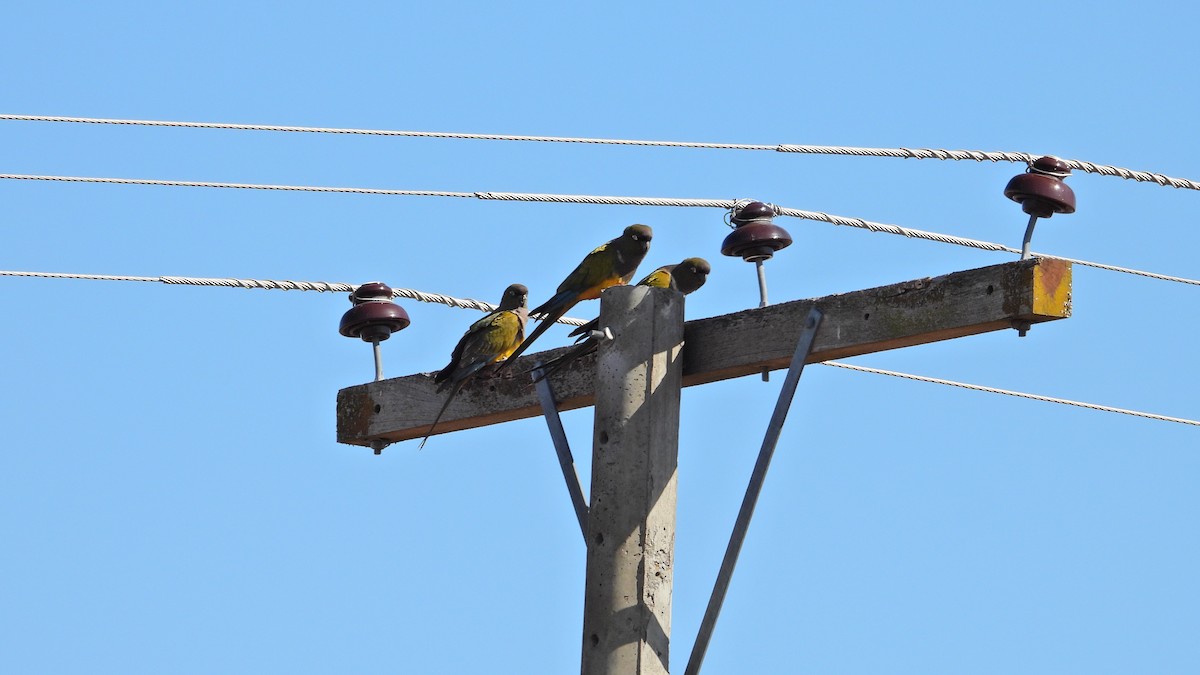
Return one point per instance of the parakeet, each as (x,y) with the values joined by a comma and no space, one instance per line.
(685,277)
(610,264)
(489,340)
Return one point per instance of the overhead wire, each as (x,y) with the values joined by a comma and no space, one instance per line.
(1007,392)
(279,285)
(614,201)
(904,153)
(421,296)
(901,153)
(236,186)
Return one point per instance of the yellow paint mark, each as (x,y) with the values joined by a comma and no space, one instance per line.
(1052,288)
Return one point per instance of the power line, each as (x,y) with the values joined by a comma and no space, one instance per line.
(237,186)
(389,132)
(278,285)
(902,153)
(993,390)
(421,296)
(612,200)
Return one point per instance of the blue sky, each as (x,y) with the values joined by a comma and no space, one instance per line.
(172,498)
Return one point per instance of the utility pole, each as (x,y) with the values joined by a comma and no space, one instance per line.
(635,448)
(634,383)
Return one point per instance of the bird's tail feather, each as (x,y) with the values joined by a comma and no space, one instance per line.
(550,367)
(457,386)
(553,305)
(558,363)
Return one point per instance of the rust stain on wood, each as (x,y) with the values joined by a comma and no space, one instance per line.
(1052,288)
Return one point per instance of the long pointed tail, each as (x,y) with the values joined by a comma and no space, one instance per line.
(550,367)
(453,392)
(556,364)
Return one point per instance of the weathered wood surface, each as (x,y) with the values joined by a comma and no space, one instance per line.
(733,345)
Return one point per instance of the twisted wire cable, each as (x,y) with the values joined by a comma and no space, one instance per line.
(902,153)
(235,186)
(326,287)
(280,285)
(1007,392)
(617,200)
(970,243)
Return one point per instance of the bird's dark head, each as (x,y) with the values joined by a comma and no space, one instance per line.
(697,265)
(636,239)
(639,233)
(691,274)
(515,295)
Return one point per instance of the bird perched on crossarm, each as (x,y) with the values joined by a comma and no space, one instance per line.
(613,263)
(488,341)
(685,277)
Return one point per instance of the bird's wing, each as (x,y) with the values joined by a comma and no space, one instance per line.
(598,271)
(491,339)
(659,278)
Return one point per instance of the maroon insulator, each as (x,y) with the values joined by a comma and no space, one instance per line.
(1040,190)
(756,237)
(374,316)
(750,212)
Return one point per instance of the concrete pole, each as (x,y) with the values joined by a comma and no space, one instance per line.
(635,447)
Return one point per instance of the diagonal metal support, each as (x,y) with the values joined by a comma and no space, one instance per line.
(803,347)
(565,459)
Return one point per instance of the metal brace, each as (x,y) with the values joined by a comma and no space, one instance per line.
(565,459)
(788,391)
